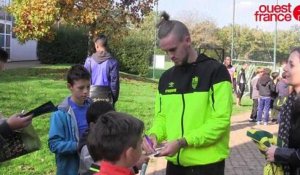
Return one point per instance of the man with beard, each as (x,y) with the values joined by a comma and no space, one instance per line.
(193,107)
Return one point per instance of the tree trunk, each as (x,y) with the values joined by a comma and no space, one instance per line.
(91,45)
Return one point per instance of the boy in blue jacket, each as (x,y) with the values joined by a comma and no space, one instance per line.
(69,122)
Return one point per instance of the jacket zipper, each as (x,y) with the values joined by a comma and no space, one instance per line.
(182,129)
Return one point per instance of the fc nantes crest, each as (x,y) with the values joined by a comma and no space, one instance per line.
(195,81)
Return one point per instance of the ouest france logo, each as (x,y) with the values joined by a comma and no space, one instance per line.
(283,12)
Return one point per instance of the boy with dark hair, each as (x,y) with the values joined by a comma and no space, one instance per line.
(116,141)
(97,109)
(93,113)
(69,122)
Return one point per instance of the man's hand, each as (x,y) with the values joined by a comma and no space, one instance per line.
(149,144)
(17,122)
(271,153)
(171,148)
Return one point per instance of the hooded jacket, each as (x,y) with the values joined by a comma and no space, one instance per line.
(265,86)
(63,139)
(104,70)
(194,102)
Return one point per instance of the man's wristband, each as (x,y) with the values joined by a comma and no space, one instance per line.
(182,143)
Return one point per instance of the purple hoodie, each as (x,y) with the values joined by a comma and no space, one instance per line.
(104,71)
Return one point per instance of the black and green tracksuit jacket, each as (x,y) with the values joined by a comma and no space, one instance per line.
(194,101)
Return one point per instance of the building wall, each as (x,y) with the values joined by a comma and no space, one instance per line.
(9,42)
(23,52)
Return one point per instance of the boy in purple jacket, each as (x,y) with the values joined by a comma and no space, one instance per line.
(104,70)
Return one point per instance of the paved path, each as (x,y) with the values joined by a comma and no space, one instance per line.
(19,64)
(245,159)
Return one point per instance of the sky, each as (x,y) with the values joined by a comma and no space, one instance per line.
(221,11)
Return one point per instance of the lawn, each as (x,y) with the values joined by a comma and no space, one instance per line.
(25,88)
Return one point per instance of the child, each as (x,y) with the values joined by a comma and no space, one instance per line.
(254,94)
(116,141)
(265,86)
(69,122)
(94,112)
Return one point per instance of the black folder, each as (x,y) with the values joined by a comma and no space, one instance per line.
(44,108)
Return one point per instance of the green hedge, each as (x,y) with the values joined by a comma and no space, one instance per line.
(70,45)
(134,55)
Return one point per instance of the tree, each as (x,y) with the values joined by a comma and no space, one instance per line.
(224,35)
(252,44)
(203,30)
(285,41)
(35,19)
(135,50)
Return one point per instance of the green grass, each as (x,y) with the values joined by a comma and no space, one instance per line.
(245,107)
(26,88)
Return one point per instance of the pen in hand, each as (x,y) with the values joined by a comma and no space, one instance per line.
(149,142)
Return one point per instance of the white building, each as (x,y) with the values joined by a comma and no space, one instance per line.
(9,42)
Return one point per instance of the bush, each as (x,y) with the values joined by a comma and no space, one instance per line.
(70,45)
(134,55)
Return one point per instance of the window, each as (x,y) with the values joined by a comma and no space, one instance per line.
(2,40)
(8,29)
(2,26)
(5,26)
(2,15)
(7,37)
